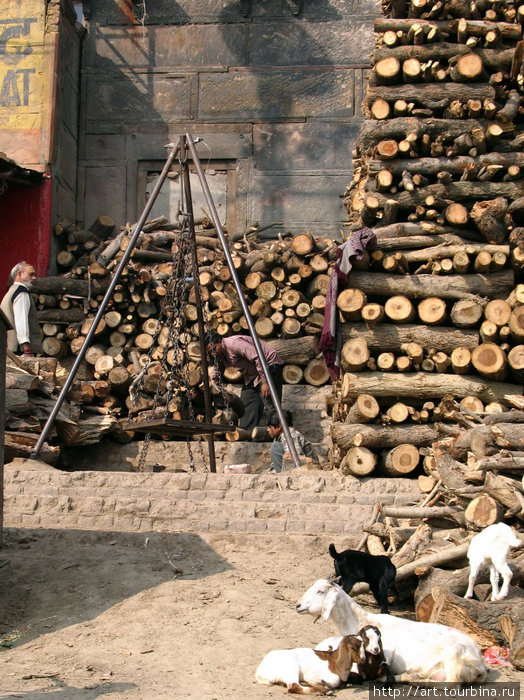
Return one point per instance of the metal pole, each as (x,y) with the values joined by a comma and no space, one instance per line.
(245,308)
(198,294)
(105,300)
(4,326)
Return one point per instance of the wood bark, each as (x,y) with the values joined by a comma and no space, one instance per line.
(378,436)
(385,337)
(454,287)
(422,386)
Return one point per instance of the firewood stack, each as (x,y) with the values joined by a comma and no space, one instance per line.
(428,544)
(284,283)
(435,316)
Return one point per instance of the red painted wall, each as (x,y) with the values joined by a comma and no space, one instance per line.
(25,228)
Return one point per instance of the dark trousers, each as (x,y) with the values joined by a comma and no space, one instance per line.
(254,404)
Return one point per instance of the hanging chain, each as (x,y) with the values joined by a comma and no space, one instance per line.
(173,310)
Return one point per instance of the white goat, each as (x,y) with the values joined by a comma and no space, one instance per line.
(321,670)
(493,545)
(413,650)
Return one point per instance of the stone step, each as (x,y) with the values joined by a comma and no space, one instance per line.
(296,502)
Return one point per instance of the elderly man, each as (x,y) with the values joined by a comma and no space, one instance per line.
(239,351)
(18,306)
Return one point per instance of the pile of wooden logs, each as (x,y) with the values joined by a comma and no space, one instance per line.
(434,336)
(284,283)
(437,313)
(428,544)
(32,386)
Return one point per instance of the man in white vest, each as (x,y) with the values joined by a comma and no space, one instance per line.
(18,306)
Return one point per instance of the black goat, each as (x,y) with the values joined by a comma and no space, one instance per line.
(378,571)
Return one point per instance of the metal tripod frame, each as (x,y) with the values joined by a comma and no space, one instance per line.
(180,147)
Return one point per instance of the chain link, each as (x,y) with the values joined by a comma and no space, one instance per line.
(173,310)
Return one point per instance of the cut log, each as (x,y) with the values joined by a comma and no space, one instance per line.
(483,511)
(466,313)
(372,314)
(431,512)
(399,309)
(354,355)
(513,631)
(292,374)
(516,362)
(385,361)
(490,361)
(422,386)
(378,436)
(380,109)
(350,303)
(402,460)
(502,489)
(472,404)
(264,328)
(53,347)
(485,439)
(414,546)
(298,351)
(291,328)
(467,68)
(497,285)
(498,311)
(461,360)
(387,70)
(432,311)
(103,226)
(516,324)
(480,620)
(303,243)
(489,217)
(358,461)
(316,373)
(389,337)
(364,410)
(398,413)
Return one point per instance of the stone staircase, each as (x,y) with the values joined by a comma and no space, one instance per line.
(297,502)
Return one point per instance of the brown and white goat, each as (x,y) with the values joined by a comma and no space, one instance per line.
(321,670)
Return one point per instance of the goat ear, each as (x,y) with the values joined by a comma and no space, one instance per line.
(328,603)
(333,578)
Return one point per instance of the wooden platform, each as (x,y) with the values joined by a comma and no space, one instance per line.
(176,428)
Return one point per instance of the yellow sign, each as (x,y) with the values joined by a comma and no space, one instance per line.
(21,63)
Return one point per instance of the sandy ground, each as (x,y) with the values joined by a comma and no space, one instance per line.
(90,615)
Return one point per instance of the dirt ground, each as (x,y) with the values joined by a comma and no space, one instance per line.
(89,615)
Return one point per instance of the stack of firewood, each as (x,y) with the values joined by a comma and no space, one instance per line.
(436,314)
(132,366)
(32,387)
(428,543)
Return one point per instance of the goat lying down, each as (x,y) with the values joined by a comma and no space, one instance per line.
(322,670)
(492,545)
(413,650)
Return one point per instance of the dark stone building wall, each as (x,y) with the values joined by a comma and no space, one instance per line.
(273,88)
(65,127)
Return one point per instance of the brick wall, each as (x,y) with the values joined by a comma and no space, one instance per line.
(306,503)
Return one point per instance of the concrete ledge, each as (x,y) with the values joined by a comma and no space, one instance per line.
(297,502)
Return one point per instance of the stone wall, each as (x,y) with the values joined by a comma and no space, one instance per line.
(274,95)
(296,503)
